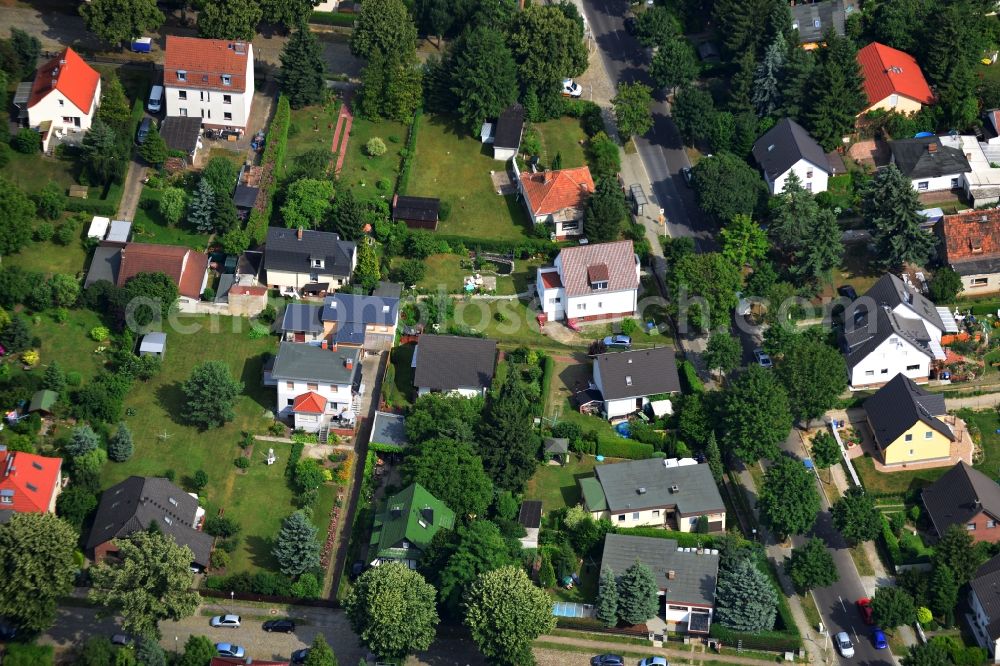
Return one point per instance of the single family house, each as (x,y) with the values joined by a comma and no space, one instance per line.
(970,244)
(930,163)
(964,496)
(557,198)
(29,483)
(672,494)
(187,268)
(138,502)
(316,385)
(984,602)
(405,524)
(210,79)
(62,99)
(788,148)
(591,282)
(453,364)
(892,80)
(344,319)
(627,379)
(685,577)
(508,132)
(307,262)
(812,19)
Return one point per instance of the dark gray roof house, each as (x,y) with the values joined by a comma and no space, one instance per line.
(386,289)
(782,146)
(636,373)
(454,363)
(958,497)
(135,503)
(302,317)
(105,263)
(181,133)
(389,428)
(305,363)
(510,124)
(812,19)
(297,251)
(898,405)
(926,157)
(684,576)
(985,587)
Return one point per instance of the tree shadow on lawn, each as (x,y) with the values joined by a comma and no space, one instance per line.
(450,125)
(260,549)
(172,400)
(253,382)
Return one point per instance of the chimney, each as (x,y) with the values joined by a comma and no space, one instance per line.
(583,187)
(333,345)
(349,363)
(932,147)
(298,234)
(671,574)
(324,344)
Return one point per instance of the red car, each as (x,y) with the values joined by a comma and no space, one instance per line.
(865,608)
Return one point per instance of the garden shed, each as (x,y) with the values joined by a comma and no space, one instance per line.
(153,344)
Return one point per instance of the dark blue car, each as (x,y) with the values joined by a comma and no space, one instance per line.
(878,637)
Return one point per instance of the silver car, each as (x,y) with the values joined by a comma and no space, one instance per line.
(232,621)
(844,644)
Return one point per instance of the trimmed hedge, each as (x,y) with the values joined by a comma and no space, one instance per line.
(624,448)
(548,369)
(689,376)
(683,539)
(409,152)
(275,144)
(522,249)
(785,616)
(342,19)
(379,447)
(93,206)
(770,641)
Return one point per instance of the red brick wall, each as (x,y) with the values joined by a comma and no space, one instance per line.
(983,533)
(104,550)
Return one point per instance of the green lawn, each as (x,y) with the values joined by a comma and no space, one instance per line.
(48,257)
(561,136)
(445,271)
(33,172)
(69,343)
(311,127)
(150,227)
(556,485)
(585,592)
(400,391)
(518,328)
(456,168)
(362,172)
(259,498)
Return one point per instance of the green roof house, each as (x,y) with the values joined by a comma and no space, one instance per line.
(405,524)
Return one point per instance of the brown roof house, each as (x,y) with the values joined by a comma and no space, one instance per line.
(117,263)
(970,244)
(416,212)
(592,282)
(557,198)
(965,496)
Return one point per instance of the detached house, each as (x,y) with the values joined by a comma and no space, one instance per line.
(28,483)
(788,148)
(893,330)
(211,79)
(812,19)
(405,524)
(984,602)
(63,97)
(967,497)
(590,283)
(892,80)
(509,128)
(316,384)
(970,244)
(344,319)
(119,262)
(454,364)
(627,379)
(672,494)
(307,262)
(557,198)
(930,163)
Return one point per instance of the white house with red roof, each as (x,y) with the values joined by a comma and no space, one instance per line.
(591,283)
(211,79)
(63,97)
(28,483)
(557,198)
(892,80)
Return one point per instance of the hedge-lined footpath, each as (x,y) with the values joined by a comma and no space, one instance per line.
(408,153)
(272,161)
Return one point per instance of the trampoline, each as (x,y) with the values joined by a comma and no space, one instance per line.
(570,609)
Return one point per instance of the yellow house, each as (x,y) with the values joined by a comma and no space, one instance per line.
(909,424)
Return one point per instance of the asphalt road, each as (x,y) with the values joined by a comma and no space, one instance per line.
(661,149)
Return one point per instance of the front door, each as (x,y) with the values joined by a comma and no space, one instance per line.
(300,337)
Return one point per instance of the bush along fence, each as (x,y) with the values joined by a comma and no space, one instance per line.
(362,515)
(272,161)
(342,19)
(408,153)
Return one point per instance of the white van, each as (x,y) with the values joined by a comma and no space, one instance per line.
(155,99)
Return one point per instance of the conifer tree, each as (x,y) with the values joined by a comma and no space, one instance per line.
(296,547)
(201,210)
(890,210)
(638,598)
(767,78)
(745,599)
(302,69)
(606,609)
(120,445)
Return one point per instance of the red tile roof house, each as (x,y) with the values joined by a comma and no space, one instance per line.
(892,80)
(557,198)
(187,268)
(28,483)
(591,283)
(970,244)
(211,79)
(63,97)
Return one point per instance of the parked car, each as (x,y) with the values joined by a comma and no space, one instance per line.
(300,656)
(654,661)
(762,358)
(878,638)
(285,626)
(607,660)
(143,132)
(686,174)
(864,605)
(122,639)
(620,341)
(230,650)
(847,291)
(571,88)
(844,644)
(232,621)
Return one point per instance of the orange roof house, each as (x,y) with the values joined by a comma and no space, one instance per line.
(892,80)
(184,266)
(558,197)
(28,483)
(309,403)
(203,62)
(970,241)
(63,97)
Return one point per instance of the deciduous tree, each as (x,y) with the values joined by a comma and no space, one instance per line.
(383,26)
(36,555)
(656,26)
(890,209)
(743,241)
(210,393)
(944,285)
(505,613)
(674,63)
(638,598)
(118,21)
(788,499)
(723,352)
(483,76)
(744,598)
(893,607)
(296,548)
(755,415)
(198,650)
(825,450)
(468,552)
(173,203)
(289,13)
(694,113)
(302,68)
(726,186)
(926,654)
(856,516)
(814,375)
(565,54)
(708,276)
(380,599)
(812,566)
(320,653)
(453,473)
(229,19)
(632,107)
(18,213)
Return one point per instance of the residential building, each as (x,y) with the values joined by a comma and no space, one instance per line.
(509,129)
(416,212)
(964,496)
(984,602)
(211,79)
(892,329)
(892,80)
(672,494)
(62,99)
(557,198)
(970,244)
(812,19)
(306,262)
(405,524)
(628,379)
(344,319)
(182,134)
(530,518)
(316,385)
(28,483)
(685,577)
(788,148)
(591,282)
(911,425)
(930,164)
(187,268)
(138,502)
(453,364)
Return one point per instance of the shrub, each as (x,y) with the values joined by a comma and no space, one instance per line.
(44,231)
(689,376)
(221,526)
(375,147)
(27,141)
(242,462)
(924,615)
(208,294)
(65,233)
(99,333)
(220,559)
(383,184)
(257,331)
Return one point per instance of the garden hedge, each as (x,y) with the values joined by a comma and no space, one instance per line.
(409,152)
(624,448)
(275,145)
(683,539)
(772,641)
(379,447)
(92,206)
(548,369)
(689,376)
(342,19)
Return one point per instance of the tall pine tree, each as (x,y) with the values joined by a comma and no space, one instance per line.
(508,444)
(745,600)
(605,210)
(890,209)
(296,547)
(606,609)
(836,93)
(302,68)
(201,210)
(767,78)
(120,445)
(638,595)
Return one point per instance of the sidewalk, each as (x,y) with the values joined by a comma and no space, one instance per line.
(696,653)
(974,402)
